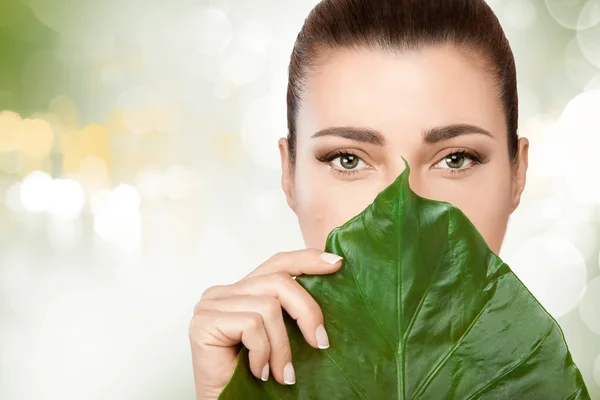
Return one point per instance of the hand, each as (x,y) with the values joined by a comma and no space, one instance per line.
(249,311)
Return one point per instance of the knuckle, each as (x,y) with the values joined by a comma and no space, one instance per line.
(314,251)
(281,346)
(210,292)
(281,278)
(271,307)
(195,325)
(198,307)
(277,257)
(255,321)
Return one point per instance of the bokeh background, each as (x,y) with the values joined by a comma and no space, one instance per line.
(138,166)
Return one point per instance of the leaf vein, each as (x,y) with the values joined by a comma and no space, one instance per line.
(352,384)
(423,297)
(368,306)
(441,363)
(531,353)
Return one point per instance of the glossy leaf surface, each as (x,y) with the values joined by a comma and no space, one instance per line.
(420,309)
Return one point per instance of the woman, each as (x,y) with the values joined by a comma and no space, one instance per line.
(371,81)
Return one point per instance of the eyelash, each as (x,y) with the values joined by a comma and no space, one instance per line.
(330,157)
(477,160)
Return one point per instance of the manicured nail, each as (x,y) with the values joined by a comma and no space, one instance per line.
(330,258)
(322,339)
(265,372)
(289,377)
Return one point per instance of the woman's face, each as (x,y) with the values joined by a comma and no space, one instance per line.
(363,110)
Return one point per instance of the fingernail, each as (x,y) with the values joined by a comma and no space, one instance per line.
(289,377)
(322,339)
(330,258)
(265,372)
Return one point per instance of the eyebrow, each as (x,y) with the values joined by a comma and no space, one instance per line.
(364,135)
(430,136)
(441,133)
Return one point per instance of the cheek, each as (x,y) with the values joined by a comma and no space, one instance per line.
(323,204)
(487,205)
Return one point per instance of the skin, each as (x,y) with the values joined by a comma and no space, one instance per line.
(396,99)
(400,97)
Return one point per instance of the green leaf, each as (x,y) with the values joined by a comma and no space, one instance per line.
(421,309)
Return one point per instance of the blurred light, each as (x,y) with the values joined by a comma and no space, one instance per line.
(123,231)
(240,66)
(126,198)
(64,233)
(11,126)
(77,145)
(116,216)
(580,189)
(139,105)
(529,104)
(145,109)
(521,14)
(264,122)
(66,198)
(590,15)
(593,84)
(255,35)
(578,69)
(222,89)
(542,157)
(12,198)
(179,182)
(35,191)
(574,14)
(93,171)
(37,138)
(589,43)
(588,309)
(113,76)
(553,270)
(579,139)
(123,200)
(204,30)
(579,232)
(223,5)
(151,184)
(11,162)
(64,108)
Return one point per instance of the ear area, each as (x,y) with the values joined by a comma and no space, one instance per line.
(520,172)
(287,172)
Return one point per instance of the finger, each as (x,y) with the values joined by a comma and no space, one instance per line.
(270,310)
(299,262)
(218,332)
(298,303)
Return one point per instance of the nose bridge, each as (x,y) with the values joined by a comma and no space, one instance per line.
(409,146)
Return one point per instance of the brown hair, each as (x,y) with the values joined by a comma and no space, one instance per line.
(401,25)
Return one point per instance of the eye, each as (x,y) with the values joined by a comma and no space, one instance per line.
(458,160)
(347,161)
(344,162)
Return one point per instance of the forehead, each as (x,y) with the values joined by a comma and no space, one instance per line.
(395,93)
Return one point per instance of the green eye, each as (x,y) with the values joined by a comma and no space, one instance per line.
(349,161)
(455,160)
